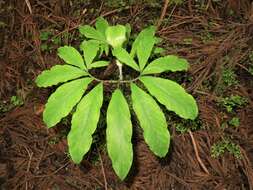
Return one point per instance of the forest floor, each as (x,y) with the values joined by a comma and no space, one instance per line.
(213,152)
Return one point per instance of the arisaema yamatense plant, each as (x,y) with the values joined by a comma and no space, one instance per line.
(74,78)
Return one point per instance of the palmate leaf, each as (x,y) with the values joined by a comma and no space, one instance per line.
(172,95)
(84,123)
(101,25)
(124,57)
(90,49)
(71,56)
(119,134)
(58,74)
(149,31)
(116,35)
(152,121)
(62,101)
(167,63)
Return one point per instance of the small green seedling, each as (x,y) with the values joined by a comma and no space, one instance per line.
(234,122)
(232,102)
(16,101)
(75,74)
(45,35)
(219,148)
(229,77)
(188,125)
(48,41)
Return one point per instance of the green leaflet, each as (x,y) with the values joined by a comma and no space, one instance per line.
(71,56)
(149,31)
(116,35)
(58,74)
(124,57)
(84,123)
(90,32)
(152,121)
(119,134)
(104,47)
(62,101)
(90,49)
(99,64)
(144,50)
(101,25)
(167,63)
(172,95)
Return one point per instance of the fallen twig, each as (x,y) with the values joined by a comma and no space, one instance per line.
(197,154)
(166,3)
(29,6)
(103,170)
(28,165)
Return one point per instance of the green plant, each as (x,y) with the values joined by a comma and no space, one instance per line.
(220,147)
(232,102)
(16,101)
(48,41)
(229,77)
(185,125)
(45,35)
(111,41)
(235,122)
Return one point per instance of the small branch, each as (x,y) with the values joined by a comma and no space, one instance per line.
(29,6)
(40,158)
(197,153)
(103,171)
(53,173)
(28,166)
(166,3)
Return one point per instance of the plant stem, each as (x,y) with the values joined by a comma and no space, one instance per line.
(113,81)
(120,70)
